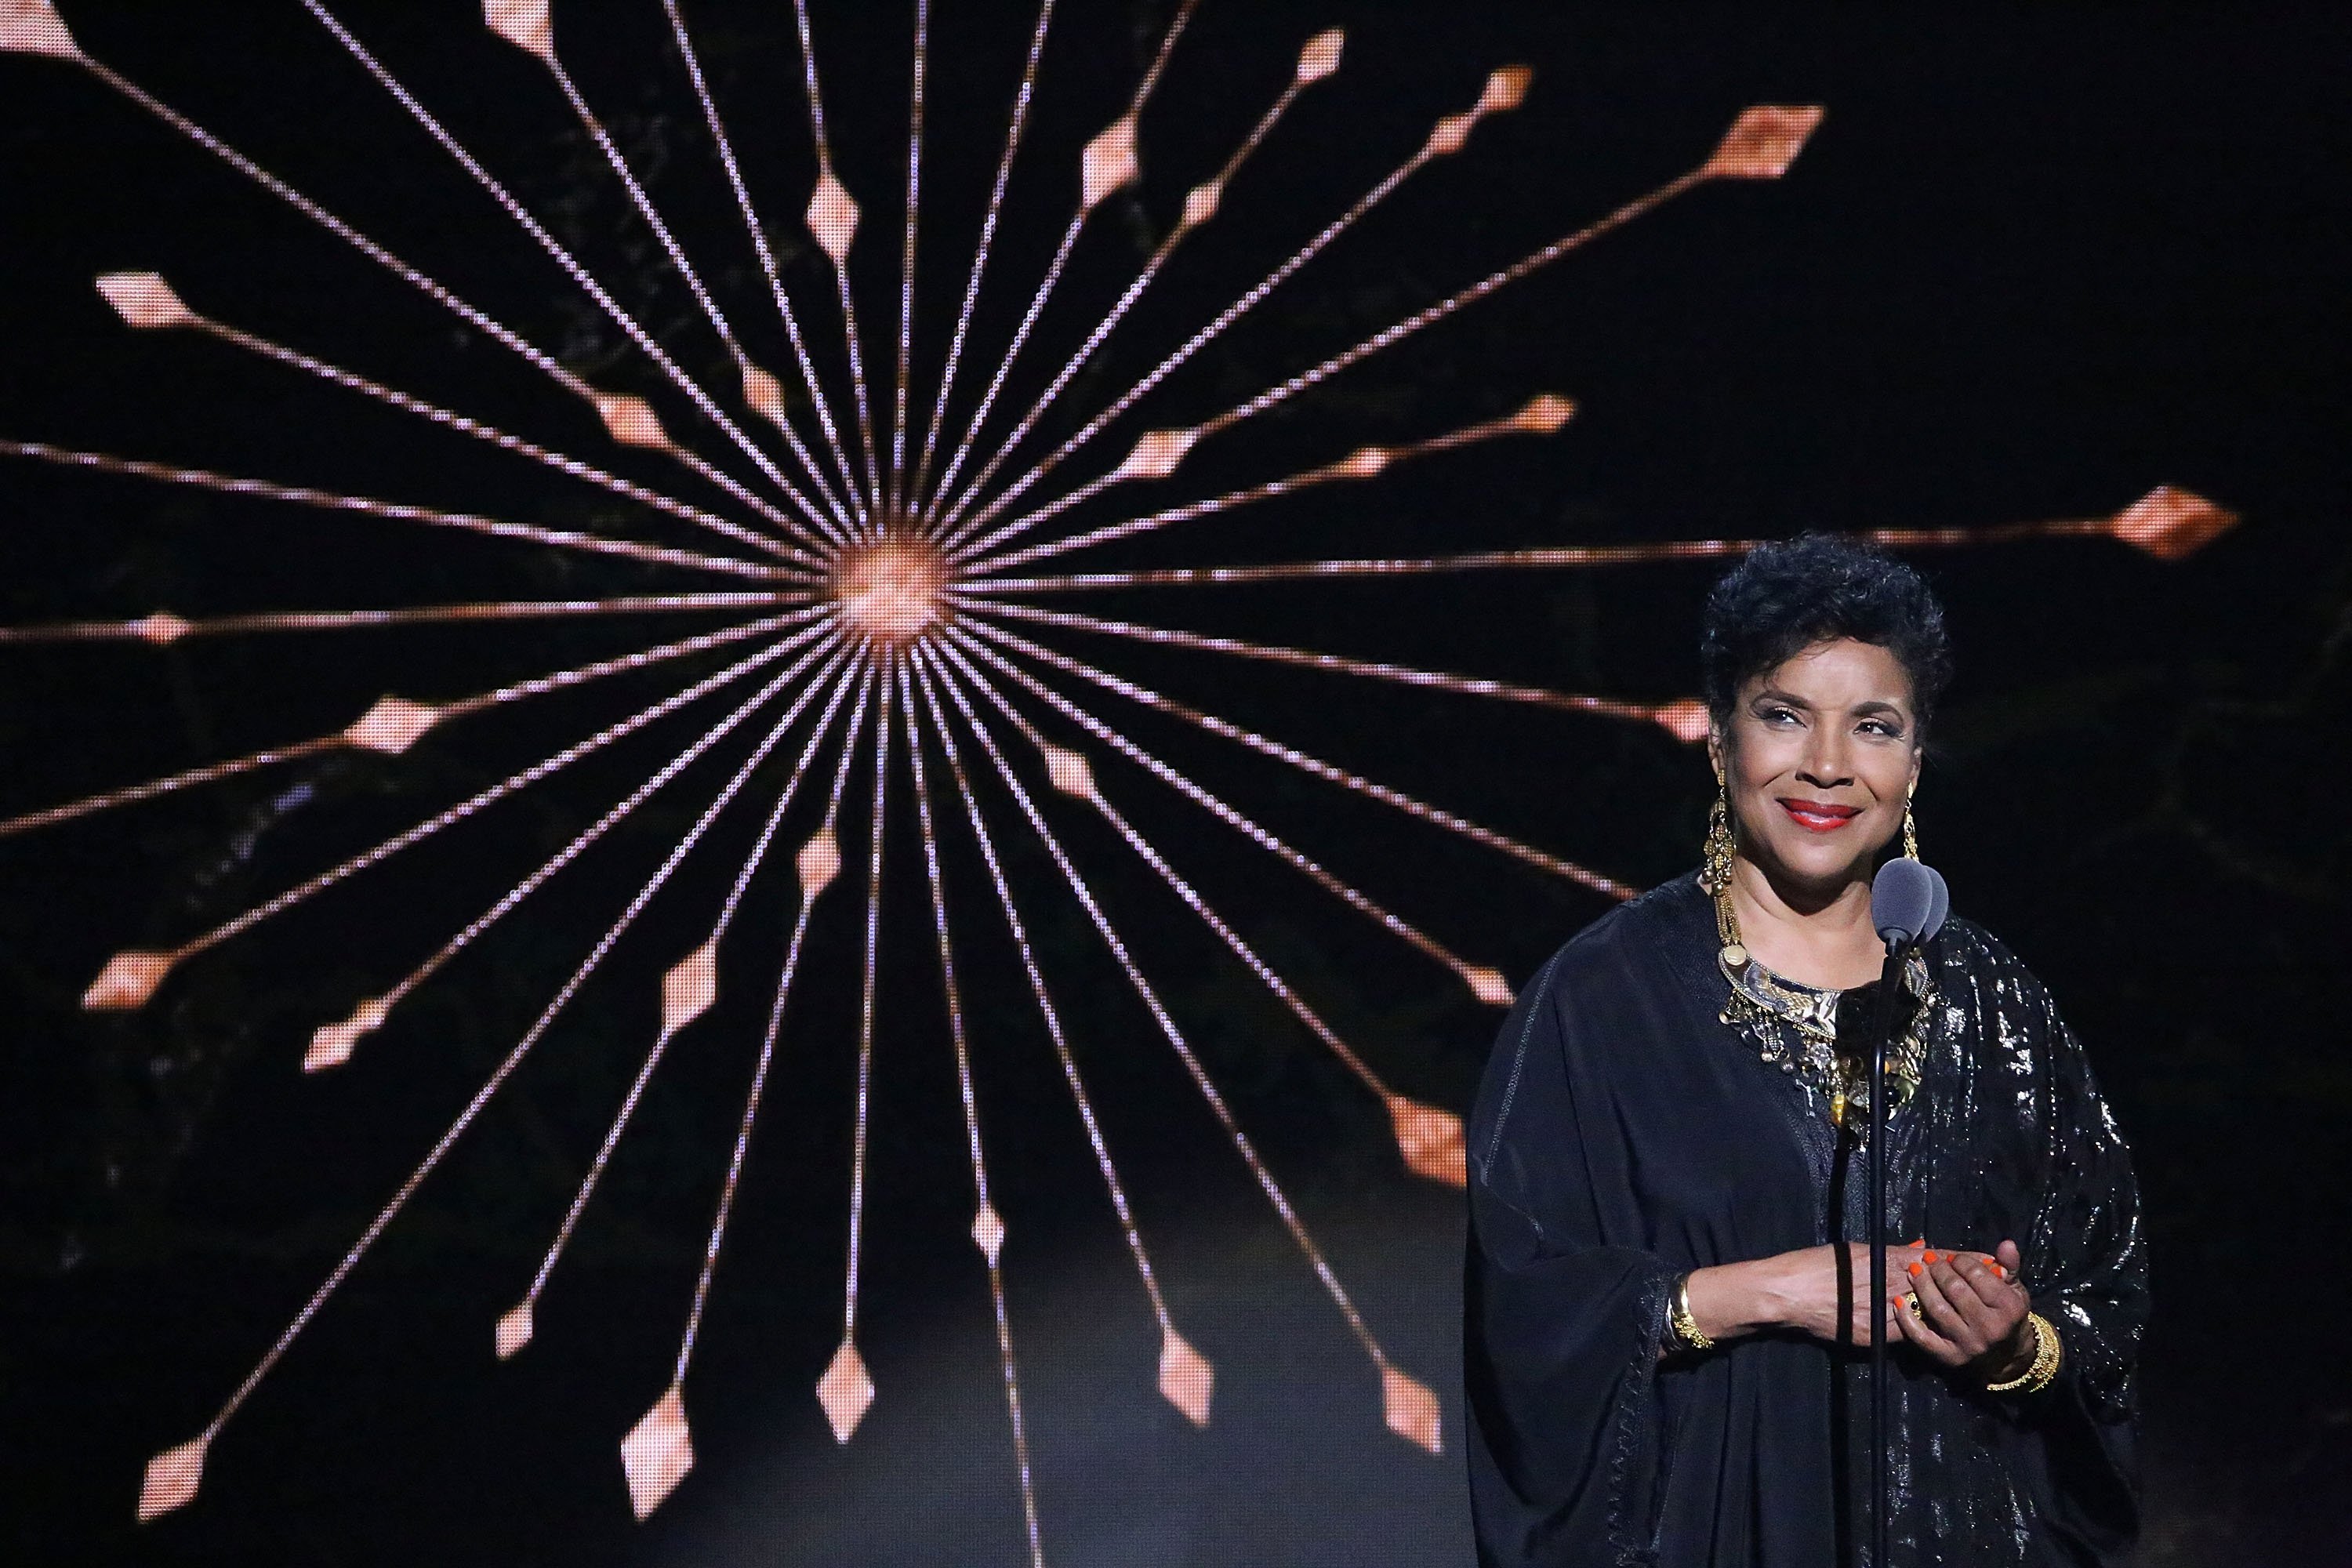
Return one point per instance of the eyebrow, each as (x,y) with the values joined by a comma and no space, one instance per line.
(1788,698)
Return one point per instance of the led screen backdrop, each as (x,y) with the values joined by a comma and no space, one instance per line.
(790,756)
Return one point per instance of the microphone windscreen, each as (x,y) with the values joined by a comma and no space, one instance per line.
(1939,909)
(1902,896)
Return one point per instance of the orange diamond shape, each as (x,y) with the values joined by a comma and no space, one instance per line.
(1430,1139)
(832,216)
(845,1390)
(1186,1379)
(172,1478)
(1411,1408)
(1109,161)
(657,1453)
(1763,142)
(128,978)
(2170,524)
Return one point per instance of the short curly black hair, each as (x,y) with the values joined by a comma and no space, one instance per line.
(1784,597)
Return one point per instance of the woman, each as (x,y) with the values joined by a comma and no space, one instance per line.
(1668,1273)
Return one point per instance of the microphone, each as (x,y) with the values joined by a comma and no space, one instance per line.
(1907,902)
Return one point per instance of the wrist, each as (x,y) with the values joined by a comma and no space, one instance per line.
(2011,1360)
(2042,1368)
(1724,1300)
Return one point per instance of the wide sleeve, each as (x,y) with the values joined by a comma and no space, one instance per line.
(1563,1310)
(2085,1263)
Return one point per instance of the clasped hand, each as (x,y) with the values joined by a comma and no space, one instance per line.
(1971,1307)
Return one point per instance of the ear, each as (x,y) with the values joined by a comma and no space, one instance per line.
(1719,752)
(1918,755)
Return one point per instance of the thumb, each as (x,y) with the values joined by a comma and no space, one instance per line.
(2006,1254)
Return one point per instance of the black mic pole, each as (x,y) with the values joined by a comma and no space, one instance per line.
(1890,982)
(1907,902)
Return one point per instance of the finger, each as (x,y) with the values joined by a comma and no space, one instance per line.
(1858,1317)
(1946,1317)
(1982,1319)
(2009,1258)
(1991,1309)
(1977,1278)
(1920,1332)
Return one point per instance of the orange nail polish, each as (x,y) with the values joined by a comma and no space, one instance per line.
(2000,1272)
(1914,1271)
(1931,1257)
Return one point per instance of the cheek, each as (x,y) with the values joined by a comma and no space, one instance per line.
(1763,759)
(1889,777)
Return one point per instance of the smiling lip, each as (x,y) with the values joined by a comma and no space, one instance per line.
(1820,816)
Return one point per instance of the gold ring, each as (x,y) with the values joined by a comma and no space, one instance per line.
(1911,1305)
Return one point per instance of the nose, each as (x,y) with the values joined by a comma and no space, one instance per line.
(1828,761)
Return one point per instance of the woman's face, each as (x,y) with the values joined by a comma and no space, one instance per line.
(1818,760)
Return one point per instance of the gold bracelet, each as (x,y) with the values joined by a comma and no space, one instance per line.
(1684,1326)
(2047,1354)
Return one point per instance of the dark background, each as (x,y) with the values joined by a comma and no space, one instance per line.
(2033,264)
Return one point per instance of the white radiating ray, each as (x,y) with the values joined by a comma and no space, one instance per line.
(1544,414)
(831,520)
(1485,983)
(2169,522)
(1186,1379)
(173,1460)
(988,1230)
(148,302)
(817,864)
(1317,61)
(1412,1414)
(1015,123)
(132,977)
(1108,164)
(626,419)
(1503,91)
(578,539)
(1430,1139)
(164,628)
(832,218)
(895,501)
(1333,663)
(332,1046)
(764,394)
(357,735)
(846,1391)
(685,999)
(657,1453)
(895,598)
(1311,765)
(806,524)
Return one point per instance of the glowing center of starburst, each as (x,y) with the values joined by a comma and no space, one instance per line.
(891,589)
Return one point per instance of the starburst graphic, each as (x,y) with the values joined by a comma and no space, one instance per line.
(888,549)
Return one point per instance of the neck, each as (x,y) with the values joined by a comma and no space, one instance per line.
(1820,935)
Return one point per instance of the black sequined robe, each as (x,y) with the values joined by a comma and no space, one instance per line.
(1624,1134)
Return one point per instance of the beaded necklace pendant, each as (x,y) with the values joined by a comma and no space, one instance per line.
(1793,1026)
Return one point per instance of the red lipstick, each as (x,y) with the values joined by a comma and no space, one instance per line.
(1819,816)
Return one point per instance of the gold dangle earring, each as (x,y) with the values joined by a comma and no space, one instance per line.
(1715,864)
(1910,832)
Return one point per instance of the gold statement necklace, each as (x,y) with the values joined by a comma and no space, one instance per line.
(1794,1026)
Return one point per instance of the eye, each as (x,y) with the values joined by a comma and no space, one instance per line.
(1885,727)
(1776,714)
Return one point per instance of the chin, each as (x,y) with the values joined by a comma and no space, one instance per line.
(1824,862)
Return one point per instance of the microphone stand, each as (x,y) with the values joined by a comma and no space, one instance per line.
(1890,988)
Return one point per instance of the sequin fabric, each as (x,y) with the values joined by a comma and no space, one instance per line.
(2007,1137)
